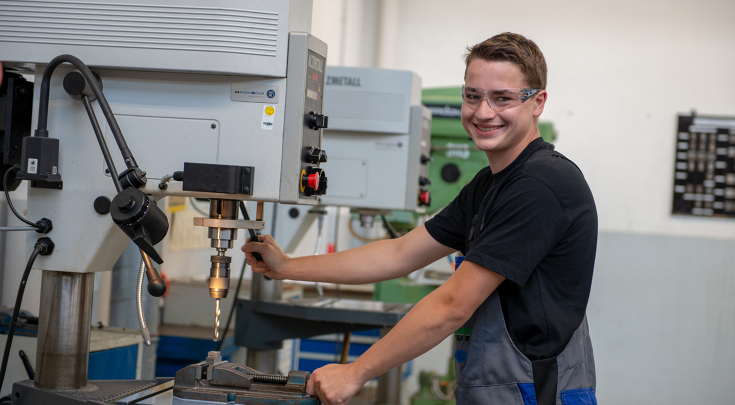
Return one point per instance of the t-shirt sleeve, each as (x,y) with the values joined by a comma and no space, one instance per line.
(448,226)
(526,221)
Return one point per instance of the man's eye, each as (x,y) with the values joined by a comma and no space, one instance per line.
(503,99)
(471,96)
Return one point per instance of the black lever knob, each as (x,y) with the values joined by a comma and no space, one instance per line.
(317,121)
(156,286)
(315,155)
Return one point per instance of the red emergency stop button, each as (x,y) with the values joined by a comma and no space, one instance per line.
(313,182)
(425,198)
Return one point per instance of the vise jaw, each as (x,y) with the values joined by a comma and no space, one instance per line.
(216,380)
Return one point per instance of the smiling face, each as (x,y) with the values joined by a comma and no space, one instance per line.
(504,135)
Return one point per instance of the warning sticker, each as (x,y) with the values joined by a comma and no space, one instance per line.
(269,117)
(32,166)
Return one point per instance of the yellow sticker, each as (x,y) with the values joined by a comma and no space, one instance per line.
(269,117)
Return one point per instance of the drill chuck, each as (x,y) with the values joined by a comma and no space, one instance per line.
(219,276)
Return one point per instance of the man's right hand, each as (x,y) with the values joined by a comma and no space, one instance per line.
(274,260)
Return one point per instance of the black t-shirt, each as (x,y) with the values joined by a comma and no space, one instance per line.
(536,226)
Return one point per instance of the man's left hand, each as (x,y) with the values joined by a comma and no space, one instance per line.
(334,384)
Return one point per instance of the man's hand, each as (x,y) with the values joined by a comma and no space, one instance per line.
(334,384)
(274,261)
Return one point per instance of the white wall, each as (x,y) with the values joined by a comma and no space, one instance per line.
(619,73)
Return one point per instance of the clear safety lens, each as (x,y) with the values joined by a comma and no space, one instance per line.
(499,99)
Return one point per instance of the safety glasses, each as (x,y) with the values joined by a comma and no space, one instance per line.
(498,99)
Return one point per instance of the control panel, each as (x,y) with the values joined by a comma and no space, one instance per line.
(378,140)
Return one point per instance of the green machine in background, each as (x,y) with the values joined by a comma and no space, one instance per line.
(456,160)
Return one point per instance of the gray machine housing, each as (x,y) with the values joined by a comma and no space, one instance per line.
(378,133)
(224,83)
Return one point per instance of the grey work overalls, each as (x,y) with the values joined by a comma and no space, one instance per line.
(491,369)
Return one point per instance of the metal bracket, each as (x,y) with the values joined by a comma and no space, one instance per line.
(229,223)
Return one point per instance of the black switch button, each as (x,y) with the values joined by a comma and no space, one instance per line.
(317,121)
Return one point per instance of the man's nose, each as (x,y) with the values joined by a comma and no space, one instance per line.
(485,108)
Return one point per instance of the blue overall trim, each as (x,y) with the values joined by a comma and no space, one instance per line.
(460,356)
(528,393)
(457,261)
(581,396)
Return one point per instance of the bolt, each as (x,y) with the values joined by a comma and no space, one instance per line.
(214,126)
(125,204)
(107,171)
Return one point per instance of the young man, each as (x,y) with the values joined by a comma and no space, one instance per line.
(528,227)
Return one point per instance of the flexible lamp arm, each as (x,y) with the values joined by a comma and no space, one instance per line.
(41,131)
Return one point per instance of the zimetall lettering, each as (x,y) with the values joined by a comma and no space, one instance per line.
(343,81)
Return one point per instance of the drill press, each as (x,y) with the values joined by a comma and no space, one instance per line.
(223,89)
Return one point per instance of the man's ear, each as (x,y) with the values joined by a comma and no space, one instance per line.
(540,101)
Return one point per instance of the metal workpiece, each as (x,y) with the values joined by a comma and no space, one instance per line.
(62,353)
(219,381)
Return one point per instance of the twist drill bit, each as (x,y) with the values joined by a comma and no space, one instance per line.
(216,320)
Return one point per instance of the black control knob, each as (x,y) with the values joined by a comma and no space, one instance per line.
(425,159)
(424,181)
(315,155)
(317,121)
(322,185)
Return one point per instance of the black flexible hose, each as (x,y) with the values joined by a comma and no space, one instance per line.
(16,311)
(7,197)
(103,144)
(89,77)
(392,231)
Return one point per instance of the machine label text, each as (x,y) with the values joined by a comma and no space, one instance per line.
(343,81)
(254,93)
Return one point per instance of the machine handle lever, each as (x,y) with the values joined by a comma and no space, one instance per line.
(253,236)
(156,285)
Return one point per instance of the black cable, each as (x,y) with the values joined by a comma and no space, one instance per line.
(92,81)
(7,197)
(16,311)
(392,231)
(103,144)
